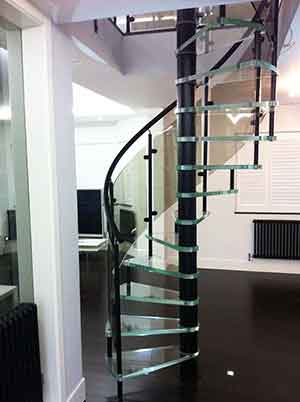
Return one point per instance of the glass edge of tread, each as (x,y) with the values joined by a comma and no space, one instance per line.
(151,369)
(163,272)
(159,300)
(206,194)
(233,68)
(183,249)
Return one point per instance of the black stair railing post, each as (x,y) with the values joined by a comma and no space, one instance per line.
(257,54)
(117,318)
(205,144)
(110,262)
(151,212)
(274,36)
(186,183)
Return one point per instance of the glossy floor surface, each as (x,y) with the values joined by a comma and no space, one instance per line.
(249,341)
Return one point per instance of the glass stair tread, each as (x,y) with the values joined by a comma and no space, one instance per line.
(157,265)
(136,363)
(135,326)
(152,294)
(244,71)
(229,107)
(228,138)
(173,245)
(218,167)
(188,222)
(206,193)
(231,138)
(222,23)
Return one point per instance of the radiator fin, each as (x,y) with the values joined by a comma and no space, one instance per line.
(277,239)
(20,371)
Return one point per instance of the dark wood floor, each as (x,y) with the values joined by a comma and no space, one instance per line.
(250,324)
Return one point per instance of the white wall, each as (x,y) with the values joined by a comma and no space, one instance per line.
(52,191)
(97,146)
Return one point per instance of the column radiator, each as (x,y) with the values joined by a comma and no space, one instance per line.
(277,239)
(20,371)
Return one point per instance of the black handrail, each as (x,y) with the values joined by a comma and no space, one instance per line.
(114,231)
(119,236)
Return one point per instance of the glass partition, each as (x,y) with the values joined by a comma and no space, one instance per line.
(15,238)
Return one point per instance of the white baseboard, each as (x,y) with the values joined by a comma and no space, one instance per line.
(78,395)
(255,265)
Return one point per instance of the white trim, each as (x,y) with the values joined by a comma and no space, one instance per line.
(255,265)
(78,395)
(42,159)
(21,13)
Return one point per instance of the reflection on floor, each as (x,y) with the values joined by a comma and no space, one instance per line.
(249,338)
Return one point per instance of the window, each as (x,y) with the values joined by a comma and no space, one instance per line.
(276,187)
(15,237)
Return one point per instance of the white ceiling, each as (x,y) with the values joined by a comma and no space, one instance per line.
(83,10)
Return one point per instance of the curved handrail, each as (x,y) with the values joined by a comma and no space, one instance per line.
(120,237)
(147,127)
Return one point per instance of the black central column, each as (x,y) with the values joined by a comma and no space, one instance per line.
(186,65)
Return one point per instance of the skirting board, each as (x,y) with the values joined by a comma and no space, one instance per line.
(255,265)
(78,395)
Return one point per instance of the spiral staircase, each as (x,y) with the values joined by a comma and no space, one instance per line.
(153,318)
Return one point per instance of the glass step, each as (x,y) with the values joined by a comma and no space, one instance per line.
(218,167)
(188,222)
(228,138)
(206,194)
(152,294)
(244,71)
(136,363)
(159,266)
(184,249)
(135,325)
(238,138)
(222,23)
(246,107)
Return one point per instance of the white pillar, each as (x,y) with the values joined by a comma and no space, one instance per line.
(52,191)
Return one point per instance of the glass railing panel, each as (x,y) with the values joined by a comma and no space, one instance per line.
(129,191)
(145,361)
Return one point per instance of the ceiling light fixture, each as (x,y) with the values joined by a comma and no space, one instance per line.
(290,83)
(236,118)
(5,113)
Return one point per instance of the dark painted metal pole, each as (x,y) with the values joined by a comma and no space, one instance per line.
(187,235)
(151,213)
(275,15)
(205,144)
(117,314)
(257,52)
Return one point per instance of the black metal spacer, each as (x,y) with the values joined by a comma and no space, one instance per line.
(154,151)
(146,157)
